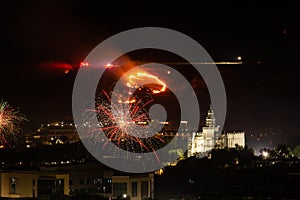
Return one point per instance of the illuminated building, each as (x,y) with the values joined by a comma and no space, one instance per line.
(231,140)
(53,133)
(73,179)
(86,178)
(26,184)
(202,142)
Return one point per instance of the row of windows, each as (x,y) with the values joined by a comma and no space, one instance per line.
(96,181)
(91,190)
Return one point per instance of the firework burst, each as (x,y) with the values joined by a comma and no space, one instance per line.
(125,123)
(10,120)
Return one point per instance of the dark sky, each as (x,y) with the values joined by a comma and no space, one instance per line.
(262,98)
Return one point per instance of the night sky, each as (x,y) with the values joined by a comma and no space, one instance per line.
(262,98)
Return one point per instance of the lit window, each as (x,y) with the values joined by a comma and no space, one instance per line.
(13,184)
(97,181)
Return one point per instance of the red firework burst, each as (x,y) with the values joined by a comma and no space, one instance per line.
(120,120)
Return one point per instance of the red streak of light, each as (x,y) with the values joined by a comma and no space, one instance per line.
(56,65)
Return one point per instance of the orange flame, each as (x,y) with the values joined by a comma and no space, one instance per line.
(139,75)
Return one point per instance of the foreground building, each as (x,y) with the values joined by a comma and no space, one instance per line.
(133,187)
(73,179)
(24,184)
(86,178)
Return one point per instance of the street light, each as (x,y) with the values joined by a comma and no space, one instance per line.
(265,154)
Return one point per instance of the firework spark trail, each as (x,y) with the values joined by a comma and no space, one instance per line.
(137,107)
(10,120)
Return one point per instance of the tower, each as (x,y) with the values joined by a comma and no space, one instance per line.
(210,118)
(205,141)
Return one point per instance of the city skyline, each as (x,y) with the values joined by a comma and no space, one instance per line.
(126,100)
(262,92)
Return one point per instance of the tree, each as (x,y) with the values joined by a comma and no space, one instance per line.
(283,152)
(297,151)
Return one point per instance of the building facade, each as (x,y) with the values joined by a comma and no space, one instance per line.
(28,184)
(87,178)
(133,187)
(232,140)
(53,133)
(201,143)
